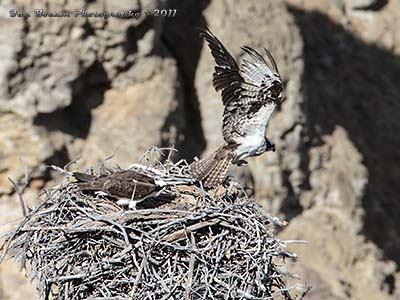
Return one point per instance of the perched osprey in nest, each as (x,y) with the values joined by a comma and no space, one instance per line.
(128,186)
(250,95)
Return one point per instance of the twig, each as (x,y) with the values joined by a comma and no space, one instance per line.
(85,246)
(20,190)
(103,162)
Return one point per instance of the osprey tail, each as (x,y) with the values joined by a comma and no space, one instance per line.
(212,169)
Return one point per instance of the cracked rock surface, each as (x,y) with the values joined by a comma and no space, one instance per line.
(84,86)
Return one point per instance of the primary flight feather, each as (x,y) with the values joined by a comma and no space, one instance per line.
(250,95)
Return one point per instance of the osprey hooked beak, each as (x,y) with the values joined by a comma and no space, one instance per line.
(270,145)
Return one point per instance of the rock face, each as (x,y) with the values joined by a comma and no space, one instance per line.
(82,86)
(132,105)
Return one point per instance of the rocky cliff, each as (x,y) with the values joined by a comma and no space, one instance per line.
(72,86)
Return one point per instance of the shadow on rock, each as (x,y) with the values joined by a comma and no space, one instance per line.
(352,84)
(88,93)
(182,40)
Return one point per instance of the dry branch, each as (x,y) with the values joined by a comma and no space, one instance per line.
(188,245)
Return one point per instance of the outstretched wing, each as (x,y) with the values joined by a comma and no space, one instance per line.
(249,94)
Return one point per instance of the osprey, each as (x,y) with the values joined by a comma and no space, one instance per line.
(250,95)
(128,186)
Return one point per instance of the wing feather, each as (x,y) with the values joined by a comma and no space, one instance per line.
(244,91)
(120,184)
(227,74)
(222,56)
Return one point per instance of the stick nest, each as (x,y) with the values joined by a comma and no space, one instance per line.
(195,245)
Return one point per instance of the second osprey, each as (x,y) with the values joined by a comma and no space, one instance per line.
(249,95)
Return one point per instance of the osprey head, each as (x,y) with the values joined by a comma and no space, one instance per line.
(268,145)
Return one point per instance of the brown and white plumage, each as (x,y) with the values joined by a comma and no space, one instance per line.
(212,169)
(250,95)
(129,186)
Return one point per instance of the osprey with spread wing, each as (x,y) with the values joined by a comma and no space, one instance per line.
(250,95)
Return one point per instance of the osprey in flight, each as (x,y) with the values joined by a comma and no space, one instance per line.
(250,95)
(128,186)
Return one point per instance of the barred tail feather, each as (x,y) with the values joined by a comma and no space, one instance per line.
(212,169)
(200,168)
(218,172)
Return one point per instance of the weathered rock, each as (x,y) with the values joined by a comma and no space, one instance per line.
(21,145)
(350,112)
(317,164)
(40,80)
(55,70)
(347,63)
(348,266)
(376,25)
(56,52)
(337,179)
(73,85)
(14,285)
(372,5)
(137,117)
